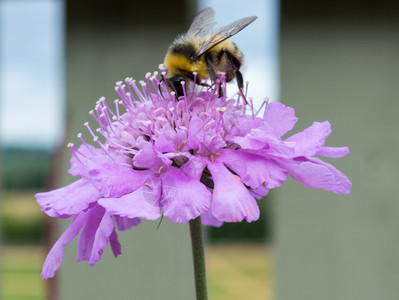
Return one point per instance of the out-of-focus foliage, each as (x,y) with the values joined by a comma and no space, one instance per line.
(24,168)
(23,172)
(21,219)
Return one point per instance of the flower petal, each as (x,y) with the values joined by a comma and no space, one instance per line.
(126,223)
(183,197)
(231,201)
(82,159)
(196,125)
(86,238)
(114,242)
(264,141)
(68,200)
(101,238)
(333,151)
(259,193)
(316,174)
(280,117)
(309,141)
(194,167)
(253,169)
(146,157)
(143,202)
(56,254)
(208,219)
(114,180)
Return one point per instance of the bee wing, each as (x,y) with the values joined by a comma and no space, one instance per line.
(203,22)
(223,33)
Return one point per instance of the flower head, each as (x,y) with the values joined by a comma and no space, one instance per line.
(202,155)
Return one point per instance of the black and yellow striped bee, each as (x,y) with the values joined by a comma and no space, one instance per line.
(205,51)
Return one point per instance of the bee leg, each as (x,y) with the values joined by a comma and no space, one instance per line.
(159,87)
(220,90)
(236,65)
(240,84)
(196,79)
(208,60)
(240,80)
(212,74)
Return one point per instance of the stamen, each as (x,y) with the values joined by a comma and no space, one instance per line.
(105,105)
(195,74)
(104,149)
(114,142)
(116,101)
(144,90)
(86,124)
(162,67)
(221,110)
(140,96)
(265,102)
(148,123)
(75,151)
(91,113)
(108,121)
(251,107)
(120,89)
(80,137)
(148,86)
(183,84)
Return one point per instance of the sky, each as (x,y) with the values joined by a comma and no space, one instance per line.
(32,63)
(258,42)
(31,72)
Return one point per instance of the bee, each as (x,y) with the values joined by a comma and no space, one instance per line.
(202,52)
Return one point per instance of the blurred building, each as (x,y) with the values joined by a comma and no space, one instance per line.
(107,42)
(339,62)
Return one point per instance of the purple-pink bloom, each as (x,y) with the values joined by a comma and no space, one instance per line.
(202,155)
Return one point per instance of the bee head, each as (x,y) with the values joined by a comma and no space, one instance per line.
(174,84)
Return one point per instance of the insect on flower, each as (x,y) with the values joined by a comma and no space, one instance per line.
(203,156)
(202,52)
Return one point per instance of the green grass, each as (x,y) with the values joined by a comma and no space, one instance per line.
(239,272)
(20,273)
(234,272)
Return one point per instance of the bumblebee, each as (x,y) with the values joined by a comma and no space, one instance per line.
(202,52)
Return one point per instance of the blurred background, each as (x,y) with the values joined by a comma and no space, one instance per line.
(330,60)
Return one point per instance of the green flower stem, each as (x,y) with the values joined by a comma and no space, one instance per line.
(197,244)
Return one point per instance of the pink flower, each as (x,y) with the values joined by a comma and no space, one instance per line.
(203,155)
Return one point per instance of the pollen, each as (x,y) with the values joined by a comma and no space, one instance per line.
(236,178)
(161,169)
(149,185)
(183,143)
